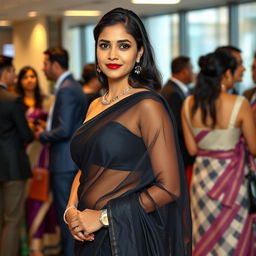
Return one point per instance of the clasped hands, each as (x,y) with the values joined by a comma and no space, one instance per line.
(82,224)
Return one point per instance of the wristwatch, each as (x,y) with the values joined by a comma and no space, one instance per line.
(104,218)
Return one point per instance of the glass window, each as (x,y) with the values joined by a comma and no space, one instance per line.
(73,47)
(89,44)
(8,50)
(247,39)
(163,34)
(207,29)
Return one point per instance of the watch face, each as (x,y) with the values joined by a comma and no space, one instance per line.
(105,220)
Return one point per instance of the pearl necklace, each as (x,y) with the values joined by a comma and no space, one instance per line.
(104,101)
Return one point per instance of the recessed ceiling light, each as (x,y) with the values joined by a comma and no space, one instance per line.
(5,23)
(81,13)
(32,14)
(155,1)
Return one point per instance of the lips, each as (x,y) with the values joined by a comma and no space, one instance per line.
(113,66)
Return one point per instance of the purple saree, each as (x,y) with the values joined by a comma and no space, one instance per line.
(43,230)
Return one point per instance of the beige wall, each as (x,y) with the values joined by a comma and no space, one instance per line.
(30,41)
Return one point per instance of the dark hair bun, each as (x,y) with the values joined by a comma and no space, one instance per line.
(208,65)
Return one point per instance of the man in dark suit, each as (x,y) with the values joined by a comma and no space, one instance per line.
(238,76)
(175,92)
(14,163)
(66,115)
(250,94)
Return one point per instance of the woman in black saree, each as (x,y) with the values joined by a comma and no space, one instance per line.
(130,196)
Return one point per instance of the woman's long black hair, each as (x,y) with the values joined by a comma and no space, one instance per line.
(20,90)
(208,86)
(149,77)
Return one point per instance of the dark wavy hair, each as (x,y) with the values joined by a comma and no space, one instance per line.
(58,54)
(208,86)
(149,77)
(20,90)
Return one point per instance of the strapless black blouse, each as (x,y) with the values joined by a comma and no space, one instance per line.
(114,146)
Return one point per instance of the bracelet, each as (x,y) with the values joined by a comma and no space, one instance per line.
(64,215)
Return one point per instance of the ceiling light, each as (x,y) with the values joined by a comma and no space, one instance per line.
(155,1)
(81,13)
(5,23)
(32,14)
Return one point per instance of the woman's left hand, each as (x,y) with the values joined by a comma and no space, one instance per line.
(87,221)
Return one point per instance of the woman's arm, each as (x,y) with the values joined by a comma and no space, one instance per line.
(187,133)
(73,193)
(248,125)
(156,129)
(72,215)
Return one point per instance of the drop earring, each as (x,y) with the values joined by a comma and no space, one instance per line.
(137,68)
(98,69)
(223,87)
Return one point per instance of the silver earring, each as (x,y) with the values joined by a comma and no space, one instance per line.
(98,69)
(137,68)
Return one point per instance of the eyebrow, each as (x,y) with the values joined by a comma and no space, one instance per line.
(119,41)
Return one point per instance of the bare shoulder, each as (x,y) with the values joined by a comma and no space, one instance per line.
(151,105)
(93,105)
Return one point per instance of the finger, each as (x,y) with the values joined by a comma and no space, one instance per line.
(74,224)
(89,237)
(78,235)
(78,232)
(81,236)
(78,238)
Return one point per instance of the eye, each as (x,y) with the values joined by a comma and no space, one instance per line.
(104,45)
(124,46)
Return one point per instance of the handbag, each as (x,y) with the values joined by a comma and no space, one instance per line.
(251,176)
(39,186)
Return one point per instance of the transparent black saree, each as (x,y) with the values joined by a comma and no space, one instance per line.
(131,165)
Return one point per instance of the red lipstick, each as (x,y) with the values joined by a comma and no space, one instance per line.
(113,66)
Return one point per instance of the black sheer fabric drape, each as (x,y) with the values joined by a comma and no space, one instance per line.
(131,165)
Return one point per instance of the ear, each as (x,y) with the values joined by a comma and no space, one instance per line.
(139,54)
(55,64)
(228,75)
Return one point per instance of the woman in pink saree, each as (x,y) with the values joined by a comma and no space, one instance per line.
(43,232)
(217,128)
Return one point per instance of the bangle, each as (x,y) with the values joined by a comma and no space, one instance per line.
(64,215)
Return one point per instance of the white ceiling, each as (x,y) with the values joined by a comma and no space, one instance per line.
(15,10)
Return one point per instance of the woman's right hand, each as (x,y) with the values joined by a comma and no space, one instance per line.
(76,233)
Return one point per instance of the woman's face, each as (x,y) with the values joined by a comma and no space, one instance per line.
(29,81)
(117,52)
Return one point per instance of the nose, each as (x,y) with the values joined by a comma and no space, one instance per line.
(113,54)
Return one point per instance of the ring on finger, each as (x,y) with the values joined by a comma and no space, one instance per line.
(76,229)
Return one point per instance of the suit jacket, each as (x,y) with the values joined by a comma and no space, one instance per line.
(68,114)
(175,98)
(249,93)
(14,133)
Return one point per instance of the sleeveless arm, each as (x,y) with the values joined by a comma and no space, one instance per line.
(248,125)
(186,127)
(157,132)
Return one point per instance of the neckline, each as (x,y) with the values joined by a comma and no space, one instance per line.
(115,105)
